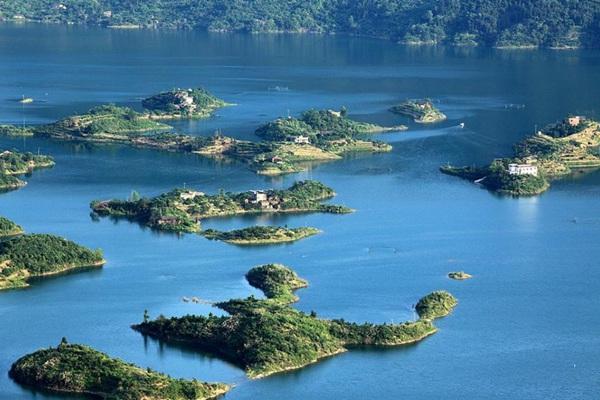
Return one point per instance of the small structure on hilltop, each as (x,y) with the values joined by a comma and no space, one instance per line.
(302,139)
(190,195)
(522,169)
(575,120)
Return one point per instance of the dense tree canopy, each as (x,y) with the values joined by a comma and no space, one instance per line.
(489,22)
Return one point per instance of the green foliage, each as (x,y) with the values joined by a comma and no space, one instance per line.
(180,210)
(487,22)
(102,120)
(277,281)
(42,254)
(261,235)
(269,336)
(435,305)
(80,369)
(320,126)
(198,103)
(16,163)
(9,228)
(422,111)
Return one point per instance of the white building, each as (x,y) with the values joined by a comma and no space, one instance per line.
(301,140)
(522,169)
(190,195)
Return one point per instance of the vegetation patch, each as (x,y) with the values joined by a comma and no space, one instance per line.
(15,163)
(507,24)
(78,369)
(183,103)
(261,235)
(9,228)
(36,255)
(268,336)
(422,111)
(181,210)
(435,305)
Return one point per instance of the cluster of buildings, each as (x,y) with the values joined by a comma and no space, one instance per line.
(522,169)
(264,199)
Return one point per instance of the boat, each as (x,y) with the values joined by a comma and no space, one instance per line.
(461,125)
(26,100)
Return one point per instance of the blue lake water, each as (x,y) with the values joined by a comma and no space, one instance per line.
(527,326)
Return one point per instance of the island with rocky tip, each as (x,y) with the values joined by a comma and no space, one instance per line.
(261,235)
(9,228)
(553,152)
(13,163)
(182,103)
(267,336)
(459,275)
(422,111)
(24,257)
(79,369)
(288,145)
(181,210)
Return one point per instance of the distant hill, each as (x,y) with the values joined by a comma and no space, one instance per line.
(501,23)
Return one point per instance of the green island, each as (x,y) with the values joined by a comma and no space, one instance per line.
(181,210)
(267,336)
(505,24)
(15,163)
(288,145)
(422,111)
(79,369)
(261,235)
(459,275)
(182,103)
(557,150)
(38,255)
(9,228)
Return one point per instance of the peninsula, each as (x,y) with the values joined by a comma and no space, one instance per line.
(14,163)
(422,111)
(182,103)
(288,145)
(261,235)
(78,369)
(9,228)
(37,255)
(266,336)
(556,151)
(181,210)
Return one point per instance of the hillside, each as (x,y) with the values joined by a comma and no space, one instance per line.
(77,369)
(502,23)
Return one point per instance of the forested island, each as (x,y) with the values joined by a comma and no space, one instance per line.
(506,24)
(555,151)
(78,369)
(318,135)
(266,336)
(14,163)
(182,103)
(181,210)
(25,257)
(9,228)
(422,111)
(261,235)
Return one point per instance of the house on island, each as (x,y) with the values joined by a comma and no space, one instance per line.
(522,169)
(168,220)
(276,160)
(266,200)
(190,195)
(302,139)
(575,120)
(5,153)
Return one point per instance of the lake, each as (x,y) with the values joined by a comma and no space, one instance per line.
(527,325)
